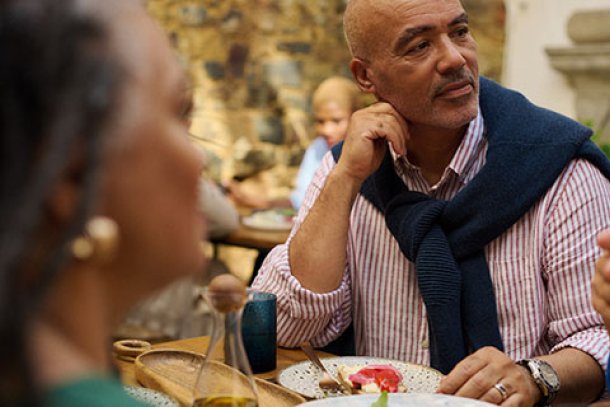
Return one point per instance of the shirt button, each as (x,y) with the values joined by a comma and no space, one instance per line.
(425,344)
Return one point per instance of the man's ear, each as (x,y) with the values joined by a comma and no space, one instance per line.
(361,74)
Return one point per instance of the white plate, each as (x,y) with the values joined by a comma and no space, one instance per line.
(272,226)
(271,219)
(151,397)
(399,400)
(303,377)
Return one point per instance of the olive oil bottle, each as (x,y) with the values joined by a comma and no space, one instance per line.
(228,384)
(225,401)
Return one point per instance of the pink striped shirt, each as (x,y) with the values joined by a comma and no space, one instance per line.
(541,270)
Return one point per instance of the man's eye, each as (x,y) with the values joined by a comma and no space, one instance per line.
(186,112)
(462,32)
(420,47)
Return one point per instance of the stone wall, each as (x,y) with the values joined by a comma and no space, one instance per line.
(254,64)
(487,21)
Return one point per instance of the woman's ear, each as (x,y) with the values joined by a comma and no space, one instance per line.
(63,202)
(361,74)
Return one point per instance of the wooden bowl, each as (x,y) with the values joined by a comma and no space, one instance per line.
(174,372)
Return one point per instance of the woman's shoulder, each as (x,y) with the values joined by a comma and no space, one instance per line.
(92,392)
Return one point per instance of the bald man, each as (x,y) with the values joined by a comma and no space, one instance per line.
(456,224)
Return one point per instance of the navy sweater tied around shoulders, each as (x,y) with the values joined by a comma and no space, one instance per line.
(528,148)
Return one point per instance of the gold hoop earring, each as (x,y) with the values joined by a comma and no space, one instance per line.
(99,242)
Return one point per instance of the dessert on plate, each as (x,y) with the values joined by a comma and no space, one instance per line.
(371,378)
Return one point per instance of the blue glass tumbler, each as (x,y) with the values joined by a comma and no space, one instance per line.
(259,330)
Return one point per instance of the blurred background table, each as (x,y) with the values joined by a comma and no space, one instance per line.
(250,238)
(245,237)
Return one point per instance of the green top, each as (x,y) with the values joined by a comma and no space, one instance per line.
(95,391)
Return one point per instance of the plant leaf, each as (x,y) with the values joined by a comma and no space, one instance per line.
(382,401)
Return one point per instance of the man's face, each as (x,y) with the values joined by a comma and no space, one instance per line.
(426,65)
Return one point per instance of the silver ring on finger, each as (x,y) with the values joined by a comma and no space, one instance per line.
(502,390)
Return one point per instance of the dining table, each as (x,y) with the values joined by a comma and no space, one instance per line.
(285,357)
(175,359)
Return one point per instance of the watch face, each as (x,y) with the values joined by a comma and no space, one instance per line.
(548,375)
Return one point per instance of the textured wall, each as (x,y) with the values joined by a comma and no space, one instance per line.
(254,64)
(487,20)
(533,27)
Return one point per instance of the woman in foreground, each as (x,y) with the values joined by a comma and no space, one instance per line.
(99,201)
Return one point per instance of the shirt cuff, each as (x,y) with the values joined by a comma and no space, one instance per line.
(303,314)
(593,341)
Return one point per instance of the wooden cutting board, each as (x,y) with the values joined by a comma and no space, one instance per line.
(174,372)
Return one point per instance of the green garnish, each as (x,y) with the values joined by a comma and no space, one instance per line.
(382,401)
(286,211)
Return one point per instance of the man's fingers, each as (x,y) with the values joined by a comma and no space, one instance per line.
(602,265)
(601,281)
(514,400)
(369,132)
(600,302)
(489,375)
(601,277)
(460,374)
(396,137)
(401,129)
(479,384)
(603,239)
(390,125)
(499,392)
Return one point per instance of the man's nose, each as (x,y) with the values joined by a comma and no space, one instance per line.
(450,58)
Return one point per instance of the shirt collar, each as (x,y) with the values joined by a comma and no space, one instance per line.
(464,157)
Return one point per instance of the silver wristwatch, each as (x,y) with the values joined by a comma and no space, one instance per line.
(545,377)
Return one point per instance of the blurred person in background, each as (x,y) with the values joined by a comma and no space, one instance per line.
(222,214)
(334,101)
(100,191)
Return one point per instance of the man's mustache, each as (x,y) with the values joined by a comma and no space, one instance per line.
(454,77)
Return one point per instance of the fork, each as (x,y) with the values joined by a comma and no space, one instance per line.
(329,384)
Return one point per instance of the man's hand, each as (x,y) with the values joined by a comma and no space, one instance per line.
(600,285)
(369,131)
(475,377)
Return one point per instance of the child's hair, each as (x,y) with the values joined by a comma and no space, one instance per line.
(340,90)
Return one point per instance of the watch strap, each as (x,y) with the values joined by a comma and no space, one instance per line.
(533,367)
